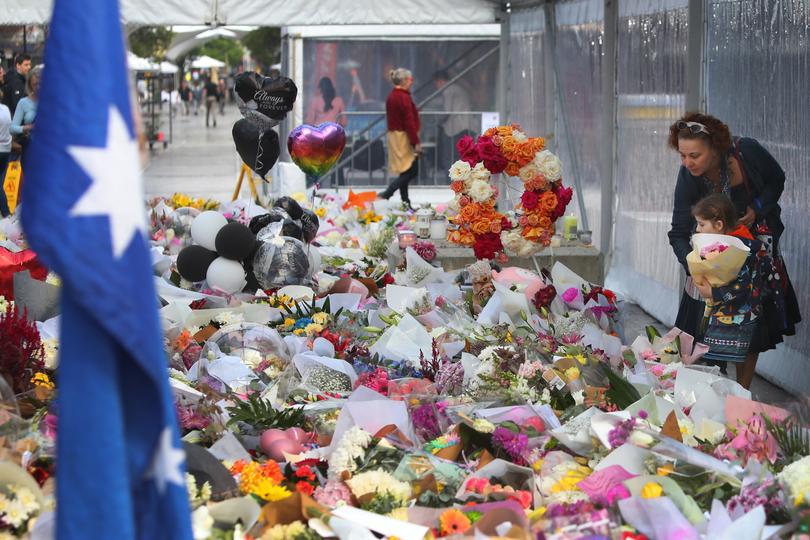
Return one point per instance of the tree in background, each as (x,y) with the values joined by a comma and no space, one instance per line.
(264,45)
(224,49)
(151,41)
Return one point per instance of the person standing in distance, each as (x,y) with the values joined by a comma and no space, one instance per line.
(403,135)
(15,82)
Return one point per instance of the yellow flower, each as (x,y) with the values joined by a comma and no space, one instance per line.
(289,322)
(482,425)
(572,373)
(538,512)
(320,211)
(42,380)
(400,514)
(313,328)
(537,466)
(581,359)
(651,490)
(320,318)
(664,470)
(271,492)
(299,332)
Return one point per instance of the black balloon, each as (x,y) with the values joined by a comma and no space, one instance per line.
(309,225)
(289,205)
(261,221)
(273,97)
(235,241)
(193,262)
(258,150)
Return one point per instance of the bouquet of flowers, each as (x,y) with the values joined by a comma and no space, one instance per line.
(716,258)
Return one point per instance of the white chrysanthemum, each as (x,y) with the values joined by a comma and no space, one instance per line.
(549,165)
(229,317)
(201,523)
(379,481)
(3,503)
(15,514)
(519,136)
(480,173)
(480,191)
(28,500)
(351,446)
(460,170)
(796,477)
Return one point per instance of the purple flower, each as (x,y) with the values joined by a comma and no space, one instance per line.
(514,444)
(450,378)
(426,419)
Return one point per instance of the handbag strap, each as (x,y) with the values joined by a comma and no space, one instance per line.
(738,155)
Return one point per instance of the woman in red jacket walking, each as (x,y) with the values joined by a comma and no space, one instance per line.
(403,135)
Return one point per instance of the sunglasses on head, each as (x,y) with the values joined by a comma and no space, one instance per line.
(693,127)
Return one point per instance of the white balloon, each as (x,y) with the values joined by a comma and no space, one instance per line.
(226,275)
(205,227)
(323,347)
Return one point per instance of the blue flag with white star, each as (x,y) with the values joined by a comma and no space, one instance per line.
(119,460)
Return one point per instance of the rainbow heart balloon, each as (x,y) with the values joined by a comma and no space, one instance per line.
(316,149)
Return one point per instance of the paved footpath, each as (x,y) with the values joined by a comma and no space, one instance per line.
(200,161)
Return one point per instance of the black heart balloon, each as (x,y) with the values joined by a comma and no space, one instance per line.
(259,150)
(289,205)
(272,97)
(309,225)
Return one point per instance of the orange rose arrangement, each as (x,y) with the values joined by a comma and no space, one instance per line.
(478,223)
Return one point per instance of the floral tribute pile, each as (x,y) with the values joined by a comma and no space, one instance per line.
(530,226)
(370,400)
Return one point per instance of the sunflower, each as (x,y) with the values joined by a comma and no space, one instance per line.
(454,521)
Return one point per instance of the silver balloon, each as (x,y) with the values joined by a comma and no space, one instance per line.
(281,261)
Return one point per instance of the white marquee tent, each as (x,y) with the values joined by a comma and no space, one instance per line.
(275,12)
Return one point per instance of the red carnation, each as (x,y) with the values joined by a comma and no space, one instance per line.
(529,200)
(544,296)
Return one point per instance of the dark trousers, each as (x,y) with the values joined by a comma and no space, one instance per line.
(4,211)
(401,183)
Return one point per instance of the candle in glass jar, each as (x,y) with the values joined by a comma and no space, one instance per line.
(570,227)
(407,238)
(438,229)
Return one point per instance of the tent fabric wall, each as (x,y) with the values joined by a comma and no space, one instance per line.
(274,12)
(759,43)
(142,12)
(651,41)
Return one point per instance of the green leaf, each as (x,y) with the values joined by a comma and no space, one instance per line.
(652,333)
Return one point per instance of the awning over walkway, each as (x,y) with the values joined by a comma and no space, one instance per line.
(275,12)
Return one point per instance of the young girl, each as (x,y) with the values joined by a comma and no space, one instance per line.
(733,310)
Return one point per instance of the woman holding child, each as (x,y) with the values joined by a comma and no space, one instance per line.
(743,171)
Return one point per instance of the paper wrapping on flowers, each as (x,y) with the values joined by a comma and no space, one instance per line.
(404,341)
(320,374)
(575,434)
(419,272)
(498,468)
(504,301)
(749,526)
(685,504)
(722,267)
(519,414)
(657,518)
(371,411)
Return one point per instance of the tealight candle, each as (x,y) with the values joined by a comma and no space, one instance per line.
(407,238)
